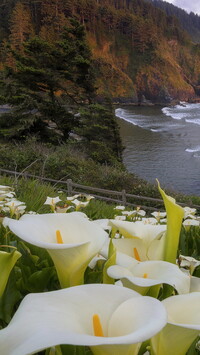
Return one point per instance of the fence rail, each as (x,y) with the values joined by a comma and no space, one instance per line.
(120,197)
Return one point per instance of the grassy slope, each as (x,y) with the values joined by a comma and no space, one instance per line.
(67,161)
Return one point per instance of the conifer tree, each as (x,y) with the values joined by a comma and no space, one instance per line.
(53,20)
(21,27)
(101,133)
(48,77)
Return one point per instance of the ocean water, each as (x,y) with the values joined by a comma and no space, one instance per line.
(163,143)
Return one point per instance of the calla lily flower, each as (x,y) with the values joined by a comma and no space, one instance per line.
(158,214)
(52,201)
(121,258)
(59,209)
(89,197)
(120,218)
(146,241)
(5,188)
(194,284)
(189,212)
(10,195)
(139,250)
(107,318)
(94,261)
(4,195)
(128,213)
(138,230)
(71,198)
(79,203)
(188,262)
(85,196)
(5,192)
(194,281)
(103,223)
(149,220)
(70,239)
(183,325)
(7,262)
(15,207)
(140,212)
(120,208)
(190,222)
(140,277)
(175,214)
(163,220)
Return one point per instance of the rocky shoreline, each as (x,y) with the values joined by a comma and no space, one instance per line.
(145,102)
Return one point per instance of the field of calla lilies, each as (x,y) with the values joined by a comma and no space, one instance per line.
(73,285)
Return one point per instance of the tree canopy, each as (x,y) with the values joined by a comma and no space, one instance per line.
(44,79)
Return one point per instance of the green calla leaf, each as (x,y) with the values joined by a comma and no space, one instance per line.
(9,300)
(175,215)
(39,280)
(111,261)
(7,262)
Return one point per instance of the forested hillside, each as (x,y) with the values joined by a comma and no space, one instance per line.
(138,52)
(189,22)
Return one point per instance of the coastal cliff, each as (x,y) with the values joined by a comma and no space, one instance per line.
(155,68)
(140,54)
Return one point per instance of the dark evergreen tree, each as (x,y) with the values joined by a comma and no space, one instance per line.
(99,128)
(46,78)
(53,19)
(21,27)
(189,22)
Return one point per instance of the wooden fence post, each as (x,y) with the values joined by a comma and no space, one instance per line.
(69,187)
(124,197)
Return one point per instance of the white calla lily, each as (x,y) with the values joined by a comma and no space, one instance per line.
(139,250)
(141,276)
(188,262)
(122,259)
(79,203)
(163,220)
(135,248)
(129,213)
(191,216)
(70,316)
(139,212)
(5,188)
(183,325)
(6,195)
(52,200)
(194,284)
(188,211)
(89,197)
(15,207)
(120,208)
(71,198)
(94,261)
(59,209)
(138,229)
(158,214)
(191,222)
(103,223)
(141,241)
(149,220)
(70,239)
(120,218)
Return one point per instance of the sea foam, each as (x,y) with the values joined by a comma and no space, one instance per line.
(193,150)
